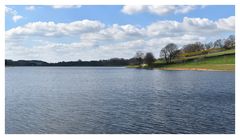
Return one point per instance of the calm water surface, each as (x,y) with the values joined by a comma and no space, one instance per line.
(118,100)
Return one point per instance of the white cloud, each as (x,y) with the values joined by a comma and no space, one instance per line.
(65,6)
(15,18)
(227,24)
(89,40)
(122,32)
(13,13)
(158,9)
(30,8)
(191,26)
(51,29)
(10,11)
(133,9)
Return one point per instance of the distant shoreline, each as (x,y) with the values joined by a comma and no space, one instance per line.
(184,69)
(64,66)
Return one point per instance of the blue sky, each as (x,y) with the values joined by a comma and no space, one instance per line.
(78,32)
(111,15)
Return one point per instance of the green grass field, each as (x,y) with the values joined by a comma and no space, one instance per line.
(224,61)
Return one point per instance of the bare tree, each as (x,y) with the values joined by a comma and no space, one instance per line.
(218,43)
(169,52)
(209,45)
(139,57)
(194,47)
(164,54)
(149,59)
(229,42)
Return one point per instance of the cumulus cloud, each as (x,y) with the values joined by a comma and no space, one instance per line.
(122,32)
(51,29)
(158,9)
(65,6)
(93,40)
(192,26)
(10,11)
(30,8)
(227,24)
(15,18)
(13,13)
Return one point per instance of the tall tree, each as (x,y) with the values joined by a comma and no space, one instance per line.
(218,43)
(139,57)
(169,52)
(229,43)
(149,59)
(209,45)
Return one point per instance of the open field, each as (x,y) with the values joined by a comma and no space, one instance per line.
(215,61)
(219,61)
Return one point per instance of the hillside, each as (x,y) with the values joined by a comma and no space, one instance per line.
(224,61)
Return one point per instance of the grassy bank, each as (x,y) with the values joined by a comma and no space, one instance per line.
(219,61)
(223,62)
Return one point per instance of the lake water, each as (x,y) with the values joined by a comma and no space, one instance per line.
(118,100)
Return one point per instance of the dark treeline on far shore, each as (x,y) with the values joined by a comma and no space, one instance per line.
(110,62)
(168,54)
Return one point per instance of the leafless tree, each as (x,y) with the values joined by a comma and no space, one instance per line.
(149,59)
(169,52)
(194,47)
(209,45)
(229,42)
(139,57)
(218,43)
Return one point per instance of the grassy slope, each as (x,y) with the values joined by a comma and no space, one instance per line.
(212,63)
(216,61)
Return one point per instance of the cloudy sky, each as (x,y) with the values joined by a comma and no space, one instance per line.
(64,33)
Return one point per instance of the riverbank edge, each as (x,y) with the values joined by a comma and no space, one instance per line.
(192,69)
(180,69)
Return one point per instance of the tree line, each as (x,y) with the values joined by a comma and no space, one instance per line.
(110,62)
